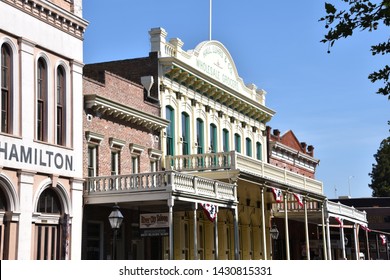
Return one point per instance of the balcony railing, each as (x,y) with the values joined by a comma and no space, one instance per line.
(348,212)
(160,182)
(235,161)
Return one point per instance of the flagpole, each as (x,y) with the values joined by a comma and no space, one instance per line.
(211,8)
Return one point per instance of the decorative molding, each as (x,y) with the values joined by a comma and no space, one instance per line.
(116,143)
(136,149)
(154,154)
(93,137)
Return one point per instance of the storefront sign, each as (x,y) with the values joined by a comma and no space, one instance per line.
(215,62)
(19,153)
(154,220)
(154,224)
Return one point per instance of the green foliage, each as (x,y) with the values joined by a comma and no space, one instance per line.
(380,175)
(361,15)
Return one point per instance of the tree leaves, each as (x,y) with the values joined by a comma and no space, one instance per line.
(380,175)
(363,15)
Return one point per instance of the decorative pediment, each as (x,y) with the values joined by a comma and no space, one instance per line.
(124,113)
(93,137)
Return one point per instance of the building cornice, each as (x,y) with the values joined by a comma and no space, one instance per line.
(125,113)
(52,15)
(193,79)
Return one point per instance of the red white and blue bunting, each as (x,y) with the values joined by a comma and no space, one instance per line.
(299,198)
(210,210)
(277,194)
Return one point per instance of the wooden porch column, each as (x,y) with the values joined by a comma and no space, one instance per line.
(195,232)
(286,227)
(328,239)
(171,202)
(368,246)
(342,239)
(356,240)
(324,245)
(263,225)
(216,234)
(236,244)
(307,231)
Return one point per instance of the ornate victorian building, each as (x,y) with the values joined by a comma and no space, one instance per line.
(216,154)
(41,179)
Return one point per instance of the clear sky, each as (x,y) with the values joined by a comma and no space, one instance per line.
(325,99)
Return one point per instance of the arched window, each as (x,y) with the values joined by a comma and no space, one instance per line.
(41,100)
(258,151)
(225,140)
(248,147)
(6,89)
(61,109)
(170,116)
(237,142)
(213,138)
(3,201)
(185,133)
(200,135)
(49,202)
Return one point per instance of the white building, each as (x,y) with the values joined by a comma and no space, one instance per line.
(41,134)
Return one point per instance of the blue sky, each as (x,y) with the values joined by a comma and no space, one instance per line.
(325,99)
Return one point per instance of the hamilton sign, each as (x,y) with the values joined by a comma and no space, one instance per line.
(41,156)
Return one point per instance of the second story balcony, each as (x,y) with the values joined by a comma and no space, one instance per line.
(233,161)
(158,186)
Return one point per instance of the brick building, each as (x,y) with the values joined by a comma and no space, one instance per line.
(121,132)
(287,152)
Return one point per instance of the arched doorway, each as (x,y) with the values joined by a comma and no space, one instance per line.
(51,227)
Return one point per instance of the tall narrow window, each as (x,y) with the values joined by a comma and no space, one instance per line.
(61,110)
(6,89)
(200,136)
(92,161)
(115,159)
(41,100)
(135,164)
(213,138)
(225,140)
(170,116)
(248,147)
(237,142)
(258,151)
(185,133)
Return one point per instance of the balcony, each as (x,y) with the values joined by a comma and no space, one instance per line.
(157,186)
(235,161)
(346,212)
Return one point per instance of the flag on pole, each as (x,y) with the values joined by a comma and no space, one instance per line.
(383,238)
(277,194)
(210,210)
(299,198)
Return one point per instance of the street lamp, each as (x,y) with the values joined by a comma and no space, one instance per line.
(274,232)
(115,219)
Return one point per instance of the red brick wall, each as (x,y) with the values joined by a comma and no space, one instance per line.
(128,94)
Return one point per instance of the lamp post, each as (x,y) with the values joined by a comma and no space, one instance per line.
(115,219)
(274,232)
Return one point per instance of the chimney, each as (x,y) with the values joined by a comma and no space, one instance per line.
(310,150)
(303,146)
(277,133)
